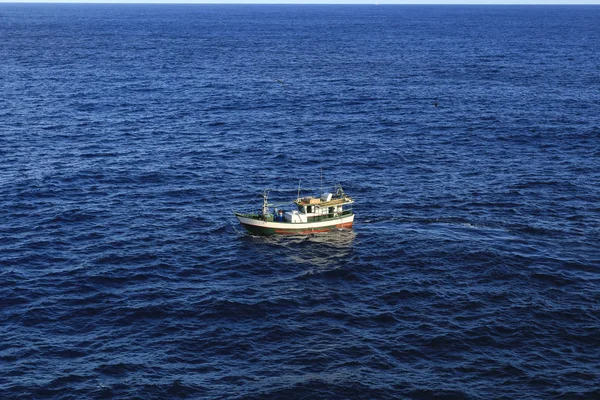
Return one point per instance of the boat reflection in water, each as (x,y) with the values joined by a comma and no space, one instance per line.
(321,252)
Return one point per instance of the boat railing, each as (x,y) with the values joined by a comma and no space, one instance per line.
(258,217)
(329,216)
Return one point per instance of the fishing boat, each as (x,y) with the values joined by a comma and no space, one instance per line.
(307,215)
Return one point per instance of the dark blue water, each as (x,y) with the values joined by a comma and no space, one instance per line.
(128,133)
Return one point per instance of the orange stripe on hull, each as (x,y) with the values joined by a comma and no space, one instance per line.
(291,232)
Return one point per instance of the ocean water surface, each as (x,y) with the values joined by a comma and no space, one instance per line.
(469,137)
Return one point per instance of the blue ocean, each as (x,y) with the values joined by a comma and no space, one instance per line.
(468,136)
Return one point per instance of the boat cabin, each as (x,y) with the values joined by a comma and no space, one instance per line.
(311,209)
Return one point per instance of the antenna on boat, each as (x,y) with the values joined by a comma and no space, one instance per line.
(299,181)
(321,181)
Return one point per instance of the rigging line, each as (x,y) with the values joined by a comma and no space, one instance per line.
(251,200)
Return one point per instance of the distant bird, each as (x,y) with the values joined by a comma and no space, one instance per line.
(280,81)
(435,104)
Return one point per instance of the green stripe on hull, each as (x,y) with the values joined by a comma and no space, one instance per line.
(259,230)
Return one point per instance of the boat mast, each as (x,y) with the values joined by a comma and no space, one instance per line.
(265,207)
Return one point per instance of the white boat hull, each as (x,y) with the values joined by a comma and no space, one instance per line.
(261,227)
